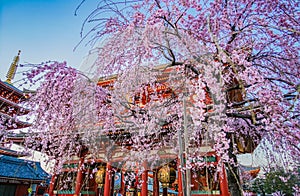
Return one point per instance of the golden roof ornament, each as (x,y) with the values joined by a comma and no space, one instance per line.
(13,68)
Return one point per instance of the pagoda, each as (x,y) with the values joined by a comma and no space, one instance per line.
(17,176)
(10,99)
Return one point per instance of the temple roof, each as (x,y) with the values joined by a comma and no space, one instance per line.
(19,169)
(18,124)
(6,151)
(11,88)
(253,171)
(247,168)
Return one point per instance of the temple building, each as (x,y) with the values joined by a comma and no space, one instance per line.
(78,177)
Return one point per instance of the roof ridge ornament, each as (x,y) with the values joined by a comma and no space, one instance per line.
(13,68)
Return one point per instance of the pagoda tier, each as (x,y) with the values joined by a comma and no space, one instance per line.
(10,98)
(7,104)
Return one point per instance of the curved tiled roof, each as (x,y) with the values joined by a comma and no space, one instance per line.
(12,167)
(12,88)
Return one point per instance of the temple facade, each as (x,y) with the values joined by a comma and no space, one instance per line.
(78,176)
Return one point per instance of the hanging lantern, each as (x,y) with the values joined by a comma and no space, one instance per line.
(100,176)
(166,175)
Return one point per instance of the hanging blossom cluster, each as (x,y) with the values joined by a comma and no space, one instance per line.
(54,106)
(51,107)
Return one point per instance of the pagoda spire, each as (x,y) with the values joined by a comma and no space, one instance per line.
(13,68)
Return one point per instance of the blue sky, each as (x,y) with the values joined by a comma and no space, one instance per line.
(43,30)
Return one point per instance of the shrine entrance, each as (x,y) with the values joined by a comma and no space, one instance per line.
(100,178)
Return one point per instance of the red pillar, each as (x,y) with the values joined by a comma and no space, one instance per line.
(223,182)
(53,180)
(107,180)
(51,187)
(79,177)
(179,173)
(123,187)
(155,183)
(145,183)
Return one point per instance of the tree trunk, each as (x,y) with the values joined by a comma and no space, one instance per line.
(233,177)
(233,180)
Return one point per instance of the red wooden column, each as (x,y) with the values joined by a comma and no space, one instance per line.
(123,187)
(223,183)
(179,173)
(53,180)
(155,183)
(107,180)
(145,183)
(223,180)
(51,187)
(79,177)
